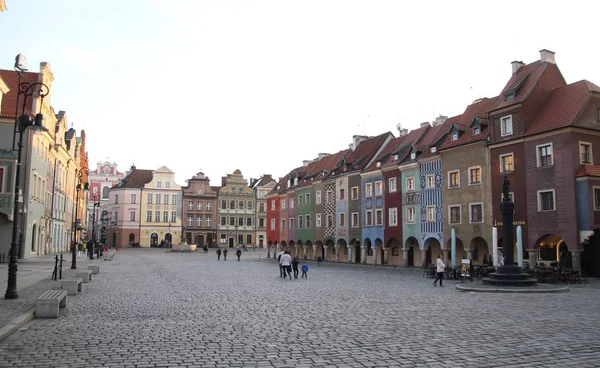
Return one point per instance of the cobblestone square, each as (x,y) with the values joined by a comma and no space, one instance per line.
(148,308)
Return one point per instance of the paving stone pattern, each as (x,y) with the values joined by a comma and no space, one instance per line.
(148,308)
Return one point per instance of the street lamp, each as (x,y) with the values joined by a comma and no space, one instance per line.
(78,188)
(22,123)
(96,197)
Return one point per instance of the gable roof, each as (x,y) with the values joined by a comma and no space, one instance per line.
(399,146)
(360,157)
(9,101)
(521,83)
(477,110)
(562,107)
(137,178)
(433,138)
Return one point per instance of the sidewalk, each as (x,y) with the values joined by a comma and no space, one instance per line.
(34,276)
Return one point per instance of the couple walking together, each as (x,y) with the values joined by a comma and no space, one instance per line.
(287,263)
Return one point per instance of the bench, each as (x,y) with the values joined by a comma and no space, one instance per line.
(47,305)
(85,275)
(72,285)
(109,257)
(94,268)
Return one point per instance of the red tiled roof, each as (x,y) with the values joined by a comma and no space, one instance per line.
(136,179)
(563,107)
(588,170)
(396,144)
(435,135)
(327,163)
(478,110)
(9,101)
(360,157)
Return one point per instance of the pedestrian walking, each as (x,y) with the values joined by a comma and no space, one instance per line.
(238,254)
(440,271)
(218,254)
(319,260)
(79,249)
(304,270)
(225,254)
(295,267)
(286,263)
(279,262)
(254,247)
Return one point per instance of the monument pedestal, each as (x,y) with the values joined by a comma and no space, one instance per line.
(509,276)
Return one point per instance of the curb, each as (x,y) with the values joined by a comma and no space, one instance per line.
(15,324)
(525,290)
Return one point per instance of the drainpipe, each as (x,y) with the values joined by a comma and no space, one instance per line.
(140,219)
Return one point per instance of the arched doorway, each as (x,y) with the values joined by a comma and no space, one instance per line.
(292,247)
(550,247)
(319,251)
(330,250)
(283,245)
(460,252)
(356,250)
(199,239)
(299,248)
(342,248)
(434,249)
(33,237)
(368,250)
(131,238)
(114,239)
(380,251)
(394,253)
(479,250)
(308,250)
(414,253)
(154,240)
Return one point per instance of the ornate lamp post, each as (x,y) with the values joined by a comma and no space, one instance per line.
(78,188)
(22,123)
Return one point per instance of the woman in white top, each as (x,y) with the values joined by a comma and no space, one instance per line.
(440,271)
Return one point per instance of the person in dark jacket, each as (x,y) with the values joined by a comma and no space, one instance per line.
(295,267)
(218,254)
(224,254)
(238,253)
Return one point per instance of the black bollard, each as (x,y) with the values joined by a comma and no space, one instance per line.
(60,268)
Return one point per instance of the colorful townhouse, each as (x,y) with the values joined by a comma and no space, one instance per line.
(273,218)
(346,178)
(200,211)
(236,211)
(261,187)
(466,186)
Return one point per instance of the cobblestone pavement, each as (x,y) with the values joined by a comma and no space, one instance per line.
(148,308)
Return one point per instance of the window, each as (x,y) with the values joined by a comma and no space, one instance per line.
(173,216)
(261,222)
(354,193)
(369,189)
(283,224)
(292,223)
(249,238)
(475,212)
(307,198)
(199,221)
(232,221)
(430,181)
(318,197)
(369,218)
(116,199)
(291,203)
(190,221)
(174,199)
(474,175)
(585,153)
(166,199)
(156,216)
(430,211)
(410,215)
(248,221)
(307,221)
(476,130)
(410,184)
(597,198)
(300,200)
(158,184)
(199,206)
(454,214)
(341,219)
(116,216)
(241,205)
(454,136)
(341,194)
(149,216)
(157,196)
(354,220)
(328,197)
(165,216)
(318,220)
(506,163)
(273,222)
(168,184)
(131,216)
(544,155)
(149,198)
(240,221)
(379,217)
(232,204)
(506,127)
(223,220)
(329,221)
(272,205)
(208,220)
(393,216)
(392,188)
(284,204)
(223,204)
(190,205)
(261,207)
(453,179)
(546,200)
(133,198)
(378,188)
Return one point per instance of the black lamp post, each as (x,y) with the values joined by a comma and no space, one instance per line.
(94,217)
(78,188)
(22,123)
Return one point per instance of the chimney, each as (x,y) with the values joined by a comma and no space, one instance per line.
(424,124)
(547,56)
(351,146)
(321,155)
(357,139)
(305,163)
(440,120)
(403,132)
(516,65)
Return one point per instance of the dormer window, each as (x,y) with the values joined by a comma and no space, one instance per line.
(413,156)
(509,97)
(378,164)
(506,125)
(476,130)
(395,157)
(433,149)
(454,136)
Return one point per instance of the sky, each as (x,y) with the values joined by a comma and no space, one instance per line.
(260,86)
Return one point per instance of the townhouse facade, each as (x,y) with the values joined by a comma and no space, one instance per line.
(261,187)
(200,211)
(236,211)
(101,179)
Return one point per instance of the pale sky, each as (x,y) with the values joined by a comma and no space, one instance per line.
(262,85)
